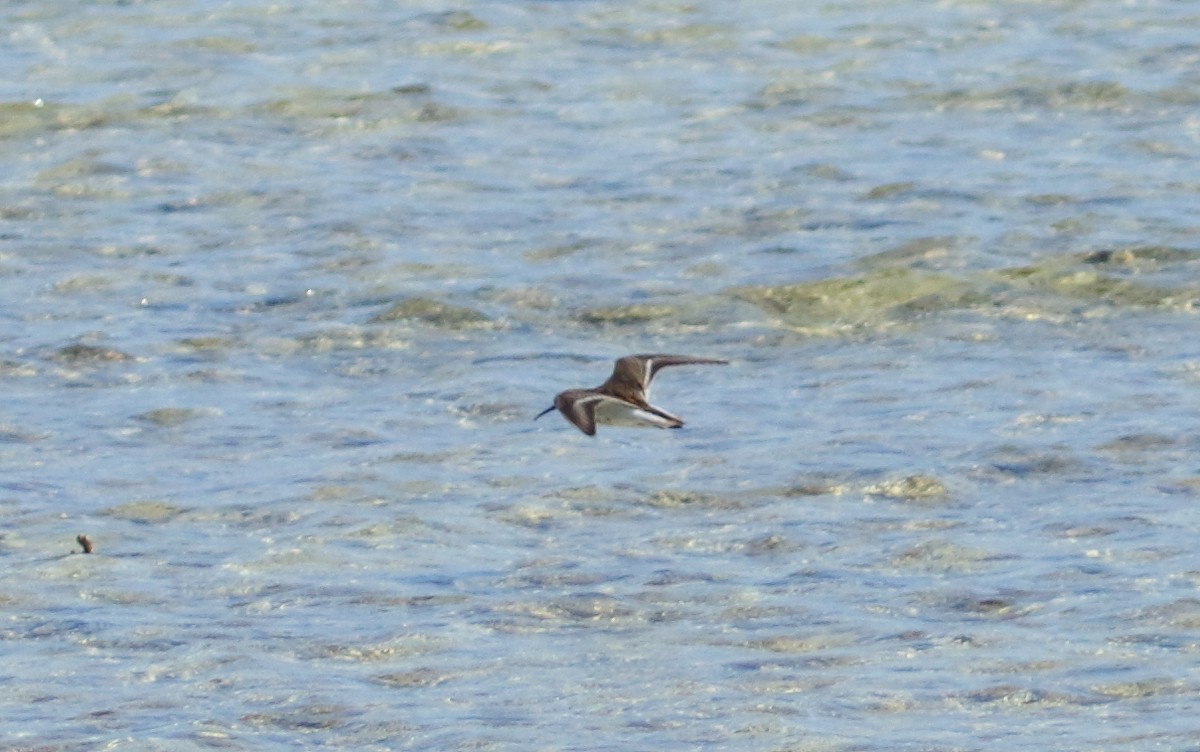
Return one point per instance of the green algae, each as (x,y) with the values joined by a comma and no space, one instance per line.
(889,190)
(373,108)
(626,315)
(432,312)
(169,417)
(144,511)
(919,252)
(459,20)
(869,300)
(1089,285)
(900,286)
(83,353)
(942,556)
(222,44)
(667,499)
(1033,94)
(205,344)
(910,488)
(19,119)
(1139,256)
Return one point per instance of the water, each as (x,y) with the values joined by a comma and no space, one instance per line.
(283,287)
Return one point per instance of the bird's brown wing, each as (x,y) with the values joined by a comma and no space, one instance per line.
(580,409)
(649,364)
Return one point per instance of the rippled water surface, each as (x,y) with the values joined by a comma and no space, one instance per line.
(283,286)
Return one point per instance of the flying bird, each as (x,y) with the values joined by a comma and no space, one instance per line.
(622,400)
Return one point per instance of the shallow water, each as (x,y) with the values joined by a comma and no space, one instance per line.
(285,285)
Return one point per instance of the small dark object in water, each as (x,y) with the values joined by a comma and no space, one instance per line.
(84,541)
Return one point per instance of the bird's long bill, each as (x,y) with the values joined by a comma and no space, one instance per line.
(548,409)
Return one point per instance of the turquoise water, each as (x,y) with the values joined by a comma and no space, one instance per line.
(284,287)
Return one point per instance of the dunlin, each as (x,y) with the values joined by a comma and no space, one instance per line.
(621,401)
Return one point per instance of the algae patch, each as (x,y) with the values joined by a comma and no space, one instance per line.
(892,292)
(80,353)
(1088,285)
(626,315)
(432,312)
(910,488)
(873,299)
(146,511)
(169,417)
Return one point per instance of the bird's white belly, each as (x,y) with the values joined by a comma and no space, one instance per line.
(616,413)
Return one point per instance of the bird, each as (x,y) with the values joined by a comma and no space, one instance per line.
(622,400)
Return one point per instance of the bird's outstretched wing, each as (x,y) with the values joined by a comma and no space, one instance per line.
(579,408)
(646,366)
